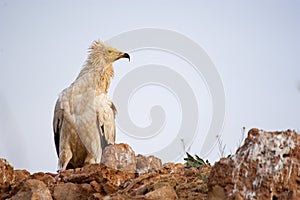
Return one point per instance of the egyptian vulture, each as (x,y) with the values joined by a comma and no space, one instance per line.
(84,115)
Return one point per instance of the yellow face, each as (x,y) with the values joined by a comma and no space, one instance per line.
(101,55)
(112,54)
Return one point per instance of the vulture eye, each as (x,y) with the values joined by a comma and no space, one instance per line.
(109,51)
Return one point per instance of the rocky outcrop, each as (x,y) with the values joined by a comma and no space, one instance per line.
(122,175)
(97,181)
(32,189)
(267,166)
(170,182)
(7,175)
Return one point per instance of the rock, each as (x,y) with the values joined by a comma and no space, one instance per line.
(192,186)
(34,190)
(96,196)
(100,181)
(217,193)
(71,191)
(7,175)
(97,186)
(21,175)
(146,164)
(119,197)
(174,168)
(165,192)
(102,178)
(265,167)
(47,179)
(120,157)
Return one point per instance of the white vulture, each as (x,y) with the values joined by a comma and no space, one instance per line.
(84,115)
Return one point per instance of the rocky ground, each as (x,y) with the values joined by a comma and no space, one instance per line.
(266,166)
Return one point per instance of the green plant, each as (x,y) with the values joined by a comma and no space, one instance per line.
(195,162)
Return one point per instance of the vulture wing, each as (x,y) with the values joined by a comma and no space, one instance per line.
(106,119)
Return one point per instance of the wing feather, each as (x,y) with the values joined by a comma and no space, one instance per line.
(57,123)
(106,119)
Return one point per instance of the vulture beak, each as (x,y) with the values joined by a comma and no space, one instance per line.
(126,55)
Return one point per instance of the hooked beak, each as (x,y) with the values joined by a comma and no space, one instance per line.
(126,55)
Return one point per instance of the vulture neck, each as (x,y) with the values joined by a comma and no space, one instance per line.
(97,77)
(105,78)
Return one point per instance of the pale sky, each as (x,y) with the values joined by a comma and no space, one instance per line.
(43,44)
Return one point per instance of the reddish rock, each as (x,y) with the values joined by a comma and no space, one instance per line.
(47,179)
(96,196)
(217,193)
(97,186)
(71,191)
(265,167)
(34,190)
(174,168)
(7,175)
(104,179)
(120,157)
(166,192)
(99,181)
(192,186)
(21,175)
(146,164)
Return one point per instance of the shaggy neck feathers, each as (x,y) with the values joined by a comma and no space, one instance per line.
(97,72)
(99,77)
(105,78)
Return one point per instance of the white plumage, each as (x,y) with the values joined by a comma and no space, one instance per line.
(84,115)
